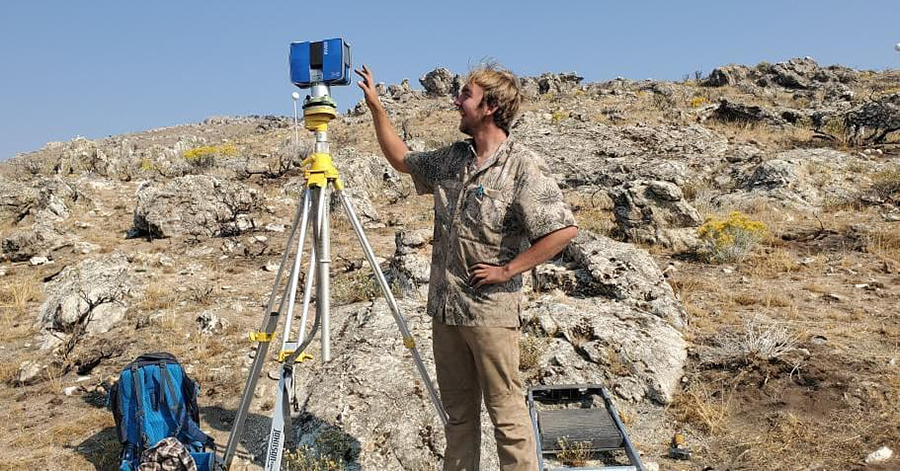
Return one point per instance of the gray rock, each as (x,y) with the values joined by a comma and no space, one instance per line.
(596,154)
(211,324)
(37,241)
(874,120)
(550,83)
(773,173)
(30,372)
(16,200)
(730,111)
(726,75)
(601,267)
(637,354)
(197,205)
(801,179)
(649,211)
(368,178)
(411,266)
(441,82)
(85,299)
(371,394)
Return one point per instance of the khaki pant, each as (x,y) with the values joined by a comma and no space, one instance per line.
(476,362)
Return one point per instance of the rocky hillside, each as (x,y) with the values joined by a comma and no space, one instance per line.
(735,281)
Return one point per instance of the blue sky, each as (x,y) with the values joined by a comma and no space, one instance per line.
(98,68)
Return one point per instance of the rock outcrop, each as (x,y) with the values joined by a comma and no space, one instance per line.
(599,266)
(655,212)
(441,82)
(196,205)
(85,299)
(411,265)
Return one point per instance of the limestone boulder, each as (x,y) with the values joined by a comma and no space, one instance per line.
(593,340)
(370,394)
(441,82)
(368,178)
(801,179)
(38,240)
(85,299)
(550,83)
(726,75)
(596,266)
(655,212)
(195,205)
(16,200)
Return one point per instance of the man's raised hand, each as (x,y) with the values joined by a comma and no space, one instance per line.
(367,84)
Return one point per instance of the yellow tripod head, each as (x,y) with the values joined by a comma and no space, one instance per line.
(318,111)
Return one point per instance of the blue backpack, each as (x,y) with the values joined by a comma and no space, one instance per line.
(154,399)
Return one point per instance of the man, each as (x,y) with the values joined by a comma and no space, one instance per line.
(492,196)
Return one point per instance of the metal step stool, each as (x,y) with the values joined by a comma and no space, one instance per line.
(572,413)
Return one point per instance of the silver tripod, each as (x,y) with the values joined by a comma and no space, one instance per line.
(318,110)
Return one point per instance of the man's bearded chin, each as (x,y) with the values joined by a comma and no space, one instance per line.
(464,127)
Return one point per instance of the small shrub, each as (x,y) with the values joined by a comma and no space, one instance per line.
(698,101)
(760,341)
(886,184)
(147,165)
(202,293)
(333,443)
(559,116)
(304,459)
(663,102)
(355,286)
(205,156)
(574,453)
(730,239)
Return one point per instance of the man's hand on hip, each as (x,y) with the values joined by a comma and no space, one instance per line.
(486,274)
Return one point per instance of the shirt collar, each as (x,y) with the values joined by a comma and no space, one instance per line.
(499,156)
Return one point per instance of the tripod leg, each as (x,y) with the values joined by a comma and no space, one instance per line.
(307,293)
(392,303)
(263,337)
(292,284)
(323,278)
(281,422)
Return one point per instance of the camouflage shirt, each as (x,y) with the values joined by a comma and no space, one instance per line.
(168,454)
(490,215)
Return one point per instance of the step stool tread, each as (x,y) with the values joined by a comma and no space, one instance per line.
(578,425)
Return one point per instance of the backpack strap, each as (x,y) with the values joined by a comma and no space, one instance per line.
(191,416)
(139,400)
(177,413)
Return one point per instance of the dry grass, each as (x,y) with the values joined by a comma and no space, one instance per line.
(884,243)
(356,286)
(705,408)
(159,297)
(697,293)
(16,294)
(598,221)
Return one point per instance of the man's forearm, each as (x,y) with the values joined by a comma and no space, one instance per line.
(393,148)
(542,250)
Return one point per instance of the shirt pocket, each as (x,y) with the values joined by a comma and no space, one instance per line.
(484,213)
